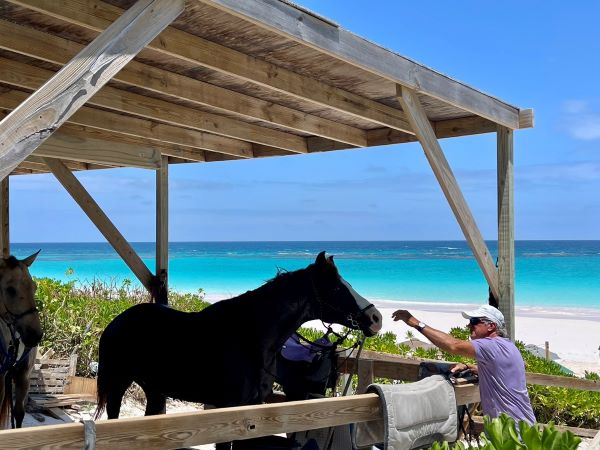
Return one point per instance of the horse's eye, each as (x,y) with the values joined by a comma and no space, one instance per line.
(11,291)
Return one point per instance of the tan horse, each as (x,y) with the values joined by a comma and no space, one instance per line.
(20,333)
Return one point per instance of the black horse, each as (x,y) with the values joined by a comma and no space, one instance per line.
(224,355)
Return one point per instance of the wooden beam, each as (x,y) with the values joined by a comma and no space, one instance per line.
(162,229)
(464,126)
(4,218)
(526,118)
(187,47)
(71,165)
(159,110)
(51,105)
(34,43)
(101,220)
(204,427)
(506,225)
(433,151)
(289,21)
(99,148)
(77,143)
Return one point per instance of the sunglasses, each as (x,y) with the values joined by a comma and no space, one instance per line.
(476,321)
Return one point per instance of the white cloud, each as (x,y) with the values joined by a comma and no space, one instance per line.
(581,121)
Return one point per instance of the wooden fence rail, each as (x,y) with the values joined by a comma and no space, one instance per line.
(245,422)
(373,364)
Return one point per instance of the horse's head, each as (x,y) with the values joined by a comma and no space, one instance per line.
(17,299)
(338,302)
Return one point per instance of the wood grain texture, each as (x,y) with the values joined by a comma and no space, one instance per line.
(307,29)
(506,228)
(101,220)
(197,51)
(154,112)
(443,173)
(34,43)
(162,217)
(187,429)
(22,131)
(4,218)
(84,145)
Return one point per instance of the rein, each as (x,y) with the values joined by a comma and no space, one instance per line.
(9,351)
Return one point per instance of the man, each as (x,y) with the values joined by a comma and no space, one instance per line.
(500,366)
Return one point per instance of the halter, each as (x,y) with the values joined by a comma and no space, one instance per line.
(9,351)
(351,317)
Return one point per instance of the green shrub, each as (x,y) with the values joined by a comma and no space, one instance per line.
(501,434)
(73,316)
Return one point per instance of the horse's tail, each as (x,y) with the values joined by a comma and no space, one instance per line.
(101,394)
(6,402)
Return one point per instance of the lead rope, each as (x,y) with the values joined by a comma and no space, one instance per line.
(361,342)
(89,434)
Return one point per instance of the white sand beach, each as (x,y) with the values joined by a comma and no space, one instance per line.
(572,333)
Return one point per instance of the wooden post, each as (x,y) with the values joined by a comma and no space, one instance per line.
(433,151)
(365,375)
(4,222)
(162,230)
(44,111)
(506,238)
(101,220)
(547,350)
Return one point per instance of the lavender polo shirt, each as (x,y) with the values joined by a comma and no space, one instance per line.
(502,385)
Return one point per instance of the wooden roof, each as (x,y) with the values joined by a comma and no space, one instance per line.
(228,80)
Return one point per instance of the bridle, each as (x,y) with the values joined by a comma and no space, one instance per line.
(9,351)
(352,318)
(16,317)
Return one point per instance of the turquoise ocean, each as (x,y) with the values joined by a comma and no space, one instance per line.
(556,274)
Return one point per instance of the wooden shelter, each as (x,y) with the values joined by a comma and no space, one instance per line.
(88,85)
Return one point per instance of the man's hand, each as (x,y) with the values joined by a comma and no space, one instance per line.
(460,367)
(405,316)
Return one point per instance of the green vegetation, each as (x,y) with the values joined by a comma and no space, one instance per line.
(500,434)
(74,316)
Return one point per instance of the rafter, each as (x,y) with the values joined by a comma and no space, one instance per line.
(43,112)
(39,45)
(30,77)
(142,128)
(179,44)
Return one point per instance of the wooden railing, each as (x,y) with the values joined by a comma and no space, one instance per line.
(219,425)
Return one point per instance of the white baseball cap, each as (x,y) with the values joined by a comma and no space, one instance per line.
(487,311)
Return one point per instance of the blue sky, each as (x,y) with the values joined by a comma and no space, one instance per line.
(533,54)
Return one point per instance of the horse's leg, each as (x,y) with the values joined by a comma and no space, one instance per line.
(156,403)
(21,380)
(114,397)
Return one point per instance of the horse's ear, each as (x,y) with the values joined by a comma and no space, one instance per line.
(31,258)
(321,258)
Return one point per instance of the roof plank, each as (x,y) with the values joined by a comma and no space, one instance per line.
(40,45)
(293,23)
(30,77)
(198,51)
(22,131)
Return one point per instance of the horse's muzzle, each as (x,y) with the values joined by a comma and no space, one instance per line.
(373,319)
